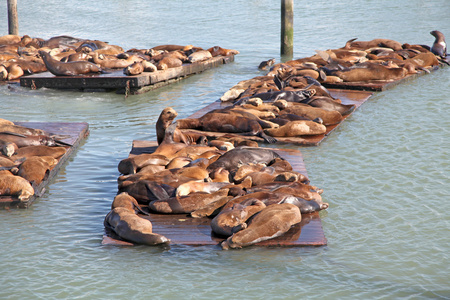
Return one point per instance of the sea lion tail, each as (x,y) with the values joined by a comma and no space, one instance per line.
(267,138)
(348,43)
(61,143)
(139,209)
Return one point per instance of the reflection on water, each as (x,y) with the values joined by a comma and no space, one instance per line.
(384,171)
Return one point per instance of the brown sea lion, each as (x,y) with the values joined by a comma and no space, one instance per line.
(232,219)
(3,72)
(39,150)
(36,168)
(10,39)
(197,186)
(216,51)
(21,130)
(169,147)
(309,112)
(371,72)
(200,55)
(362,45)
(175,47)
(125,200)
(297,128)
(179,162)
(210,209)
(169,62)
(132,165)
(28,140)
(130,227)
(165,119)
(6,162)
(271,222)
(186,204)
(113,63)
(135,68)
(14,71)
(11,185)
(70,68)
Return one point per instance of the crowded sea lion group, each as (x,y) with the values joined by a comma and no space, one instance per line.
(69,56)
(27,156)
(249,193)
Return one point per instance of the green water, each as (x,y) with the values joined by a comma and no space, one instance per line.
(384,171)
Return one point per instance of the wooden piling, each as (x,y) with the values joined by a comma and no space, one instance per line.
(287,28)
(13,20)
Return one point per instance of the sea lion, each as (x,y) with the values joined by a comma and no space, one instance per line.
(39,150)
(11,185)
(216,51)
(169,147)
(233,159)
(211,209)
(125,200)
(309,112)
(439,46)
(10,39)
(129,226)
(232,219)
(133,164)
(145,191)
(370,72)
(264,65)
(135,68)
(21,130)
(6,162)
(229,123)
(14,71)
(200,55)
(70,68)
(269,223)
(165,119)
(186,204)
(196,186)
(28,140)
(169,62)
(297,128)
(179,162)
(36,168)
(290,96)
(113,63)
(7,148)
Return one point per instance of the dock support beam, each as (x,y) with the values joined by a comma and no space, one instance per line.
(287,28)
(13,20)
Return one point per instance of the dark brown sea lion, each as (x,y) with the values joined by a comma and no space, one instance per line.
(232,159)
(126,224)
(70,68)
(36,168)
(11,185)
(439,46)
(186,204)
(266,64)
(271,222)
(232,219)
(219,122)
(145,191)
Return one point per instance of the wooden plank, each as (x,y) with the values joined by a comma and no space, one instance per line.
(355,97)
(185,230)
(74,134)
(116,80)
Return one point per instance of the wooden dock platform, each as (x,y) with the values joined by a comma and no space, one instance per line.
(120,82)
(356,97)
(75,132)
(184,230)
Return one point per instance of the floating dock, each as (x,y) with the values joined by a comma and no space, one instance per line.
(116,80)
(75,132)
(184,230)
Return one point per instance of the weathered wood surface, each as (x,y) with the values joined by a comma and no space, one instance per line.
(184,230)
(116,80)
(346,96)
(75,132)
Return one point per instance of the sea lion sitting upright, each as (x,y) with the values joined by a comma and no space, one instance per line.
(59,68)
(439,46)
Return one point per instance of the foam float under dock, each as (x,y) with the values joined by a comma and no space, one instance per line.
(184,230)
(75,132)
(120,82)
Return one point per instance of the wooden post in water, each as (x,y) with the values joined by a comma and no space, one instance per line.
(13,20)
(287,28)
